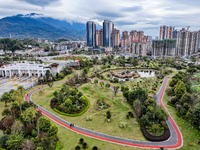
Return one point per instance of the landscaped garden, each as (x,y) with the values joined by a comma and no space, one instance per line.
(94,119)
(69,101)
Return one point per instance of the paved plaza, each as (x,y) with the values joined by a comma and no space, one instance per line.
(7,84)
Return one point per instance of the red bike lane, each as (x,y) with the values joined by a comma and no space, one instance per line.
(179,136)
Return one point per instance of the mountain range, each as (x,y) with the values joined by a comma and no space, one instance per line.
(37,26)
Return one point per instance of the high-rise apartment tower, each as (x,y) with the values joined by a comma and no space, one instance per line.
(91,33)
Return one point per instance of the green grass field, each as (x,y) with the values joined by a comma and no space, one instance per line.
(118,107)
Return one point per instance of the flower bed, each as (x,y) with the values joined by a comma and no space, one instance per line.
(72,114)
(149,137)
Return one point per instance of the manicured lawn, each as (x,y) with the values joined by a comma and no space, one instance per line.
(69,140)
(118,107)
(189,134)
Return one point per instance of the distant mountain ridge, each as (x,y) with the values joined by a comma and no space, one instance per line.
(37,26)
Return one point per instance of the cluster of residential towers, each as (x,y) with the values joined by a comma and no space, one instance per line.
(171,42)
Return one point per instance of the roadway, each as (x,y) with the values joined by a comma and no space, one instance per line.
(175,141)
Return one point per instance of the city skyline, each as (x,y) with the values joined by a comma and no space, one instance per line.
(127,15)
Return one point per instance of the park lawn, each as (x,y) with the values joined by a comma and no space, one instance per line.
(118,107)
(69,140)
(189,134)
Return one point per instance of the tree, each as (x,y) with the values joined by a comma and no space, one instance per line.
(8,121)
(73,92)
(82,99)
(29,115)
(108,115)
(173,82)
(179,89)
(15,141)
(107,85)
(115,88)
(101,83)
(135,62)
(46,48)
(50,84)
(53,130)
(18,96)
(96,82)
(39,148)
(5,112)
(17,127)
(86,70)
(191,70)
(155,128)
(28,145)
(169,60)
(68,102)
(6,98)
(161,113)
(3,140)
(196,115)
(55,93)
(44,124)
(186,98)
(144,119)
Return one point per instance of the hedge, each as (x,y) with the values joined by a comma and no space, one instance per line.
(58,145)
(74,115)
(2,148)
(149,137)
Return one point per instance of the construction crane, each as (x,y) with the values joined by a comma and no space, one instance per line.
(187,27)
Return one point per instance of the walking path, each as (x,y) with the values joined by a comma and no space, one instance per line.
(175,141)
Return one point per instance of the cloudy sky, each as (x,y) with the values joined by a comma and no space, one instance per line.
(146,15)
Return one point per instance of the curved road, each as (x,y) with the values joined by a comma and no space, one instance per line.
(175,141)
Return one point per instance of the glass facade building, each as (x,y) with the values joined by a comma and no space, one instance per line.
(91,34)
(108,33)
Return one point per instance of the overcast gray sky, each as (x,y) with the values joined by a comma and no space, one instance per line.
(146,15)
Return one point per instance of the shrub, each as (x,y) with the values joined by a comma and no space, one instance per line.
(74,115)
(3,140)
(58,145)
(95,148)
(34,133)
(84,145)
(89,118)
(122,124)
(149,137)
(81,140)
(183,111)
(77,147)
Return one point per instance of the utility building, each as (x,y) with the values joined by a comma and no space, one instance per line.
(166,47)
(187,42)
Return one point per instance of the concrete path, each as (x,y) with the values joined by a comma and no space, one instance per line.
(174,142)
